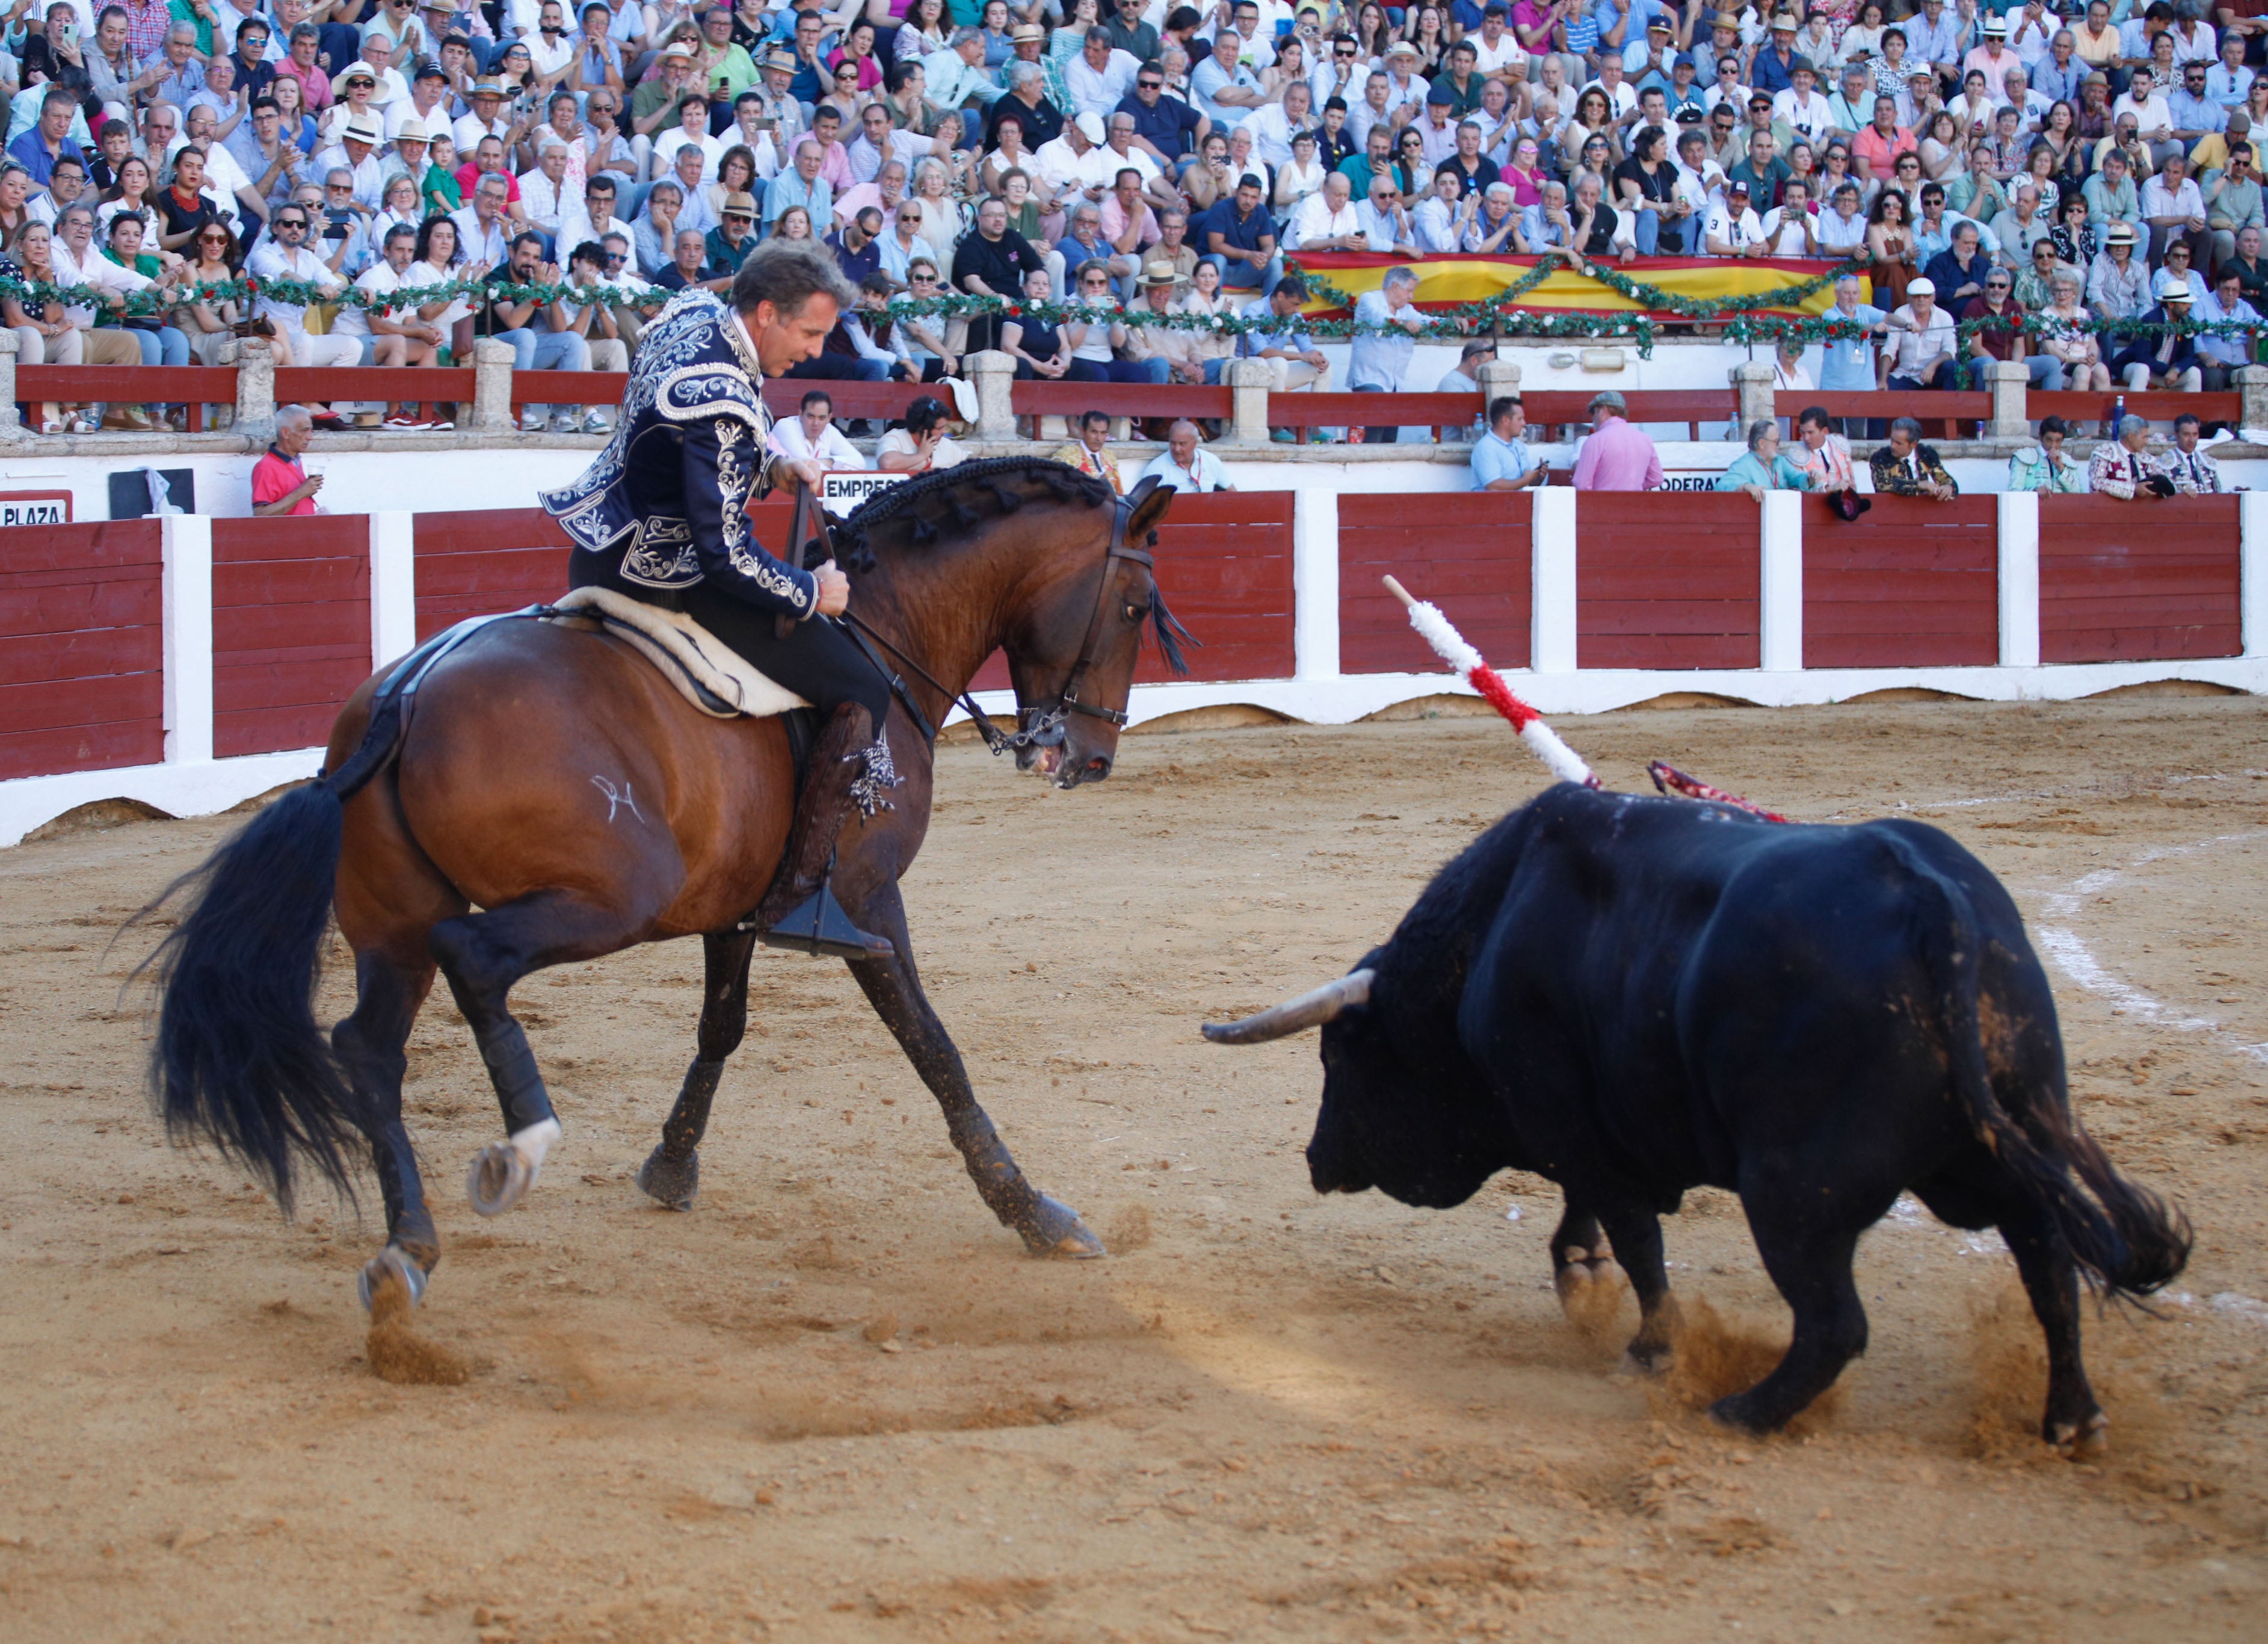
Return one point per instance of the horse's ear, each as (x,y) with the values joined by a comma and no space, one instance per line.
(1146,505)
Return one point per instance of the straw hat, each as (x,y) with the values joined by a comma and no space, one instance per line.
(1155,274)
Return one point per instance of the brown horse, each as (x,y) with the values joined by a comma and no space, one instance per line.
(551,777)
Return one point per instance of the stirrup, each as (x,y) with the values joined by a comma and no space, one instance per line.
(818,925)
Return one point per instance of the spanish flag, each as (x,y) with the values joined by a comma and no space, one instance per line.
(1445,281)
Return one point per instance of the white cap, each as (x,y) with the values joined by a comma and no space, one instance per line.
(1091,127)
(1920,287)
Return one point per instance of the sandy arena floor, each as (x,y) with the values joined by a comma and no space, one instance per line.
(837,1402)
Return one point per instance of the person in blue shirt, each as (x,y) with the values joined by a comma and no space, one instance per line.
(1761,467)
(1239,237)
(1501,461)
(1846,365)
(1774,69)
(1289,348)
(38,148)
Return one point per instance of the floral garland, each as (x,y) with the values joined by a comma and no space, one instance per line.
(153,301)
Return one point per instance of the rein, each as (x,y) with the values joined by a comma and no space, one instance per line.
(1040,726)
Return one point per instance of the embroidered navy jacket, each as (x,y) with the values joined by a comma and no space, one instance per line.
(664,508)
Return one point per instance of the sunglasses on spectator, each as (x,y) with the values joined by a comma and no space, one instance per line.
(1151,86)
(922,279)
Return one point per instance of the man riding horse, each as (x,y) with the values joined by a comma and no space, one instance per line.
(662,517)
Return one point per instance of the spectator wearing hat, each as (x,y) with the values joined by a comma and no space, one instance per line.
(1772,69)
(1192,355)
(1616,455)
(485,117)
(1733,228)
(2168,360)
(655,104)
(1803,109)
(356,152)
(2117,281)
(2123,468)
(1921,350)
(728,244)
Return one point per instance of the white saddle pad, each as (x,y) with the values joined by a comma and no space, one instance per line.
(708,672)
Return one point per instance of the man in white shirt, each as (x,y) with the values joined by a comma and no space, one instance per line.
(1439,224)
(1185,464)
(77,263)
(1801,107)
(1386,221)
(428,94)
(2174,210)
(549,201)
(1731,229)
(1101,76)
(284,255)
(810,442)
(487,119)
(1920,351)
(1378,354)
(2154,120)
(1272,126)
(693,128)
(1077,163)
(357,154)
(483,231)
(1327,219)
(1496,46)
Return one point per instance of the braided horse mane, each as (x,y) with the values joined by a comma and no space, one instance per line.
(959,490)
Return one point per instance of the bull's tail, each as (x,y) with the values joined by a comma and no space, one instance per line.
(2127,1240)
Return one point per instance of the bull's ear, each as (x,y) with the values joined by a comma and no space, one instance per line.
(1146,505)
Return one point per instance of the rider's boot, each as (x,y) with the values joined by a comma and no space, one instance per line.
(850,767)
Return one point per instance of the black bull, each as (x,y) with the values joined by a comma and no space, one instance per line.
(1634,996)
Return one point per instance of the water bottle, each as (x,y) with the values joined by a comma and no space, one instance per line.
(2118,411)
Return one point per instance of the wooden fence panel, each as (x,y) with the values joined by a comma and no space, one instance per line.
(290,628)
(1658,589)
(1468,552)
(1911,583)
(2139,581)
(82,648)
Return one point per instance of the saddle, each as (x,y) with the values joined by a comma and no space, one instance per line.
(706,672)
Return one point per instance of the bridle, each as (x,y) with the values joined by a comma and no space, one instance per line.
(1042,724)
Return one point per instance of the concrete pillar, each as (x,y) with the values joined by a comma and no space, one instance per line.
(1781,650)
(2020,579)
(186,597)
(1752,393)
(1316,583)
(256,389)
(2009,382)
(1498,377)
(393,585)
(492,359)
(2252,595)
(2252,384)
(10,425)
(993,371)
(1551,642)
(1249,381)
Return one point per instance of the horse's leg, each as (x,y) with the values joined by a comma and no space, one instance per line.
(482,955)
(672,1172)
(894,987)
(369,1045)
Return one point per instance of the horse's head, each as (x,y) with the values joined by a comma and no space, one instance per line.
(1072,646)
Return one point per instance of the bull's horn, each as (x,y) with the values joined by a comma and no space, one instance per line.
(1296,1016)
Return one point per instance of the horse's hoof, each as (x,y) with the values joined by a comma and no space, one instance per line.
(1057,1231)
(2088,1443)
(1649,1360)
(1740,1414)
(673,1182)
(499,1175)
(391,1260)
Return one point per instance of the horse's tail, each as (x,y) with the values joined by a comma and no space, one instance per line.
(2126,1240)
(239,1061)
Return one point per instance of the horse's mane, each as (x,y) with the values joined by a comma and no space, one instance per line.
(957,488)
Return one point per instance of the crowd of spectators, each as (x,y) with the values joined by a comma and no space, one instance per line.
(1992,161)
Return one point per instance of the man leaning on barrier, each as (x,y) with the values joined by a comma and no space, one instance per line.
(1907,467)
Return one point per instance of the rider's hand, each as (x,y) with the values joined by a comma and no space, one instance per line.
(833,590)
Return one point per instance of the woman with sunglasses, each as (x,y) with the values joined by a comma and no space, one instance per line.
(1411,175)
(925,340)
(1890,250)
(1094,342)
(210,322)
(45,334)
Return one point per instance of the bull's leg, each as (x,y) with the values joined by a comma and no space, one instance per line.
(370,1044)
(672,1172)
(1578,1251)
(482,955)
(2074,1422)
(893,988)
(1809,1259)
(1637,1233)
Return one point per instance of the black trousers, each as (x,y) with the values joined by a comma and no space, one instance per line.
(818,660)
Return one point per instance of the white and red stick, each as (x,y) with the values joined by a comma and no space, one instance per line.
(1450,646)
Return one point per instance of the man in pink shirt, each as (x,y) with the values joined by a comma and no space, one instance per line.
(1617,457)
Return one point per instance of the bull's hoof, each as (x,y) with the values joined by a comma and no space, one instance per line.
(2088,1441)
(1056,1230)
(1649,1358)
(391,1262)
(671,1182)
(1575,1280)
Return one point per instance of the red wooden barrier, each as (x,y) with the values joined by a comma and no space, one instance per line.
(290,628)
(393,384)
(1195,401)
(1706,412)
(1225,566)
(1944,411)
(1372,410)
(476,562)
(1654,594)
(1466,551)
(604,388)
(1912,583)
(2139,581)
(784,396)
(2156,406)
(82,648)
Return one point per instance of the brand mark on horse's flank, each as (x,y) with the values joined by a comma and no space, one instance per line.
(617,797)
